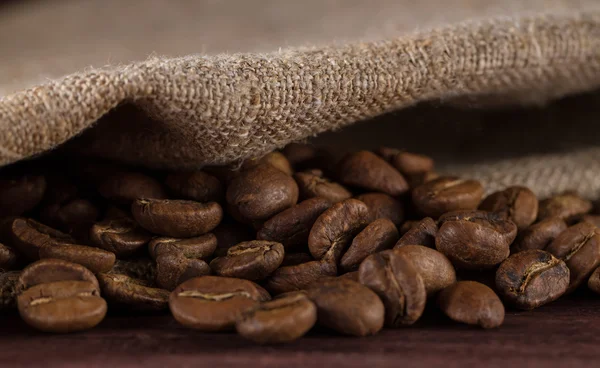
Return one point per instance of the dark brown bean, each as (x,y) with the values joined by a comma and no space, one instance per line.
(350,276)
(592,219)
(539,235)
(132,293)
(59,189)
(138,268)
(252,260)
(292,226)
(381,205)
(472,303)
(293,259)
(312,185)
(299,277)
(335,228)
(412,163)
(284,319)
(532,278)
(275,159)
(475,239)
(211,303)
(297,153)
(435,269)
(379,235)
(121,236)
(94,259)
(421,233)
(9,290)
(9,259)
(446,194)
(594,281)
(21,194)
(393,277)
(29,236)
(229,235)
(366,170)
(125,187)
(200,247)
(567,206)
(347,306)
(174,268)
(70,215)
(195,185)
(407,225)
(53,270)
(579,248)
(518,204)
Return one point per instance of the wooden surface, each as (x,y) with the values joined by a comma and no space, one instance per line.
(566,333)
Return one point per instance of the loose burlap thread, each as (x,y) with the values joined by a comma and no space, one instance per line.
(221,108)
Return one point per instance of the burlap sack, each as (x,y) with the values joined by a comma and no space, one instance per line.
(233,79)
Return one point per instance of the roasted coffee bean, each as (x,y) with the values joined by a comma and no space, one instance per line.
(280,320)
(300,276)
(347,306)
(407,225)
(579,248)
(435,269)
(59,189)
(176,218)
(275,159)
(592,219)
(350,276)
(225,174)
(377,236)
(532,278)
(381,205)
(421,233)
(21,194)
(62,306)
(9,259)
(297,153)
(53,270)
(475,239)
(70,215)
(229,235)
(174,268)
(594,281)
(121,236)
(292,259)
(312,184)
(125,187)
(518,204)
(419,179)
(472,303)
(366,170)
(539,235)
(398,284)
(446,194)
(411,164)
(200,247)
(138,268)
(292,226)
(29,236)
(9,290)
(94,259)
(335,228)
(567,206)
(211,303)
(252,260)
(132,293)
(261,192)
(195,185)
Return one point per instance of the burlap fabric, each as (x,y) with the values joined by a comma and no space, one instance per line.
(233,79)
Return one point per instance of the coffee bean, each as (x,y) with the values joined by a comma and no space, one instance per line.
(398,284)
(518,204)
(435,269)
(300,276)
(59,190)
(176,218)
(381,205)
(211,303)
(567,206)
(407,225)
(292,226)
(200,247)
(62,306)
(475,239)
(347,306)
(313,184)
(229,235)
(53,270)
(411,163)
(125,187)
(592,219)
(138,268)
(297,153)
(9,290)
(366,170)
(195,185)
(539,235)
(472,303)
(21,194)
(29,236)
(387,153)
(94,259)
(284,319)
(261,192)
(335,228)
(70,215)
(293,259)
(421,233)
(132,293)
(225,174)
(377,236)
(350,276)
(253,260)
(594,281)
(174,268)
(446,194)
(579,248)
(275,159)
(9,259)
(532,278)
(121,236)
(419,179)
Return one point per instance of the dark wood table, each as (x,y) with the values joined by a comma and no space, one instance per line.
(563,334)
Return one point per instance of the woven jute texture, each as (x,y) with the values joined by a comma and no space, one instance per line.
(226,80)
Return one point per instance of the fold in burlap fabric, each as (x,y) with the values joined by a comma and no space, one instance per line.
(307,67)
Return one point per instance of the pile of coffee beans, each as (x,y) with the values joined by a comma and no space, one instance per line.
(282,243)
